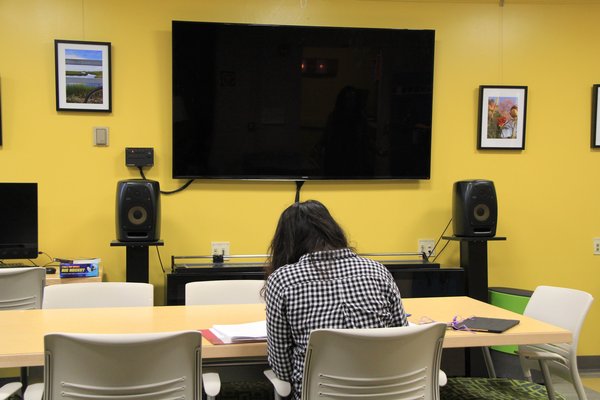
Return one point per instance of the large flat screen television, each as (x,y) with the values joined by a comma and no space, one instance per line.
(301,102)
(18,220)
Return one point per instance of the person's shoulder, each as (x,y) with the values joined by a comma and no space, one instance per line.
(286,274)
(374,267)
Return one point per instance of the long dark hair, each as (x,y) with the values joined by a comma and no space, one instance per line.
(303,228)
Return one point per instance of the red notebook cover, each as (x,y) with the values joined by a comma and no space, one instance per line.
(208,335)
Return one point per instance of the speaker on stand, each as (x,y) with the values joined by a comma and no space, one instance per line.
(474,221)
(137,219)
(474,208)
(138,211)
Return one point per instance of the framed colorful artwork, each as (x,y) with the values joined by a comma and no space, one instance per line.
(502,115)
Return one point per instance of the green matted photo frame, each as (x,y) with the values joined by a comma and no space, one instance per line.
(502,116)
(83,76)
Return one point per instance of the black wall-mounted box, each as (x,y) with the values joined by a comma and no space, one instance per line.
(139,156)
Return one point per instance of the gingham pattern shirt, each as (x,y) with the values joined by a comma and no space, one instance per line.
(326,289)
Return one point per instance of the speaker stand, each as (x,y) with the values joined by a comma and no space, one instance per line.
(473,259)
(137,259)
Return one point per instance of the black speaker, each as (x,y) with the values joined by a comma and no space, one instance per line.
(138,211)
(474,208)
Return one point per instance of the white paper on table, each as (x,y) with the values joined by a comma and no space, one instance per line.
(252,331)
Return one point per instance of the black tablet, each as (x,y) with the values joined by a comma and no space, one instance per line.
(483,324)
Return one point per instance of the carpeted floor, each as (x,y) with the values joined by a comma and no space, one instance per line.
(493,389)
(246,391)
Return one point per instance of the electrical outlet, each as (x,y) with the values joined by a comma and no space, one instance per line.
(426,246)
(220,248)
(596,246)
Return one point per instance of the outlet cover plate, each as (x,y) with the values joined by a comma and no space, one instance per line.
(219,248)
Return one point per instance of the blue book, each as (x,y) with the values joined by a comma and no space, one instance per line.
(73,270)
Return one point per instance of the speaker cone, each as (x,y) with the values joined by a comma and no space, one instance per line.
(137,215)
(481,212)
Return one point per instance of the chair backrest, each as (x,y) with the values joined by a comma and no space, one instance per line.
(99,294)
(242,291)
(562,307)
(382,363)
(21,288)
(146,366)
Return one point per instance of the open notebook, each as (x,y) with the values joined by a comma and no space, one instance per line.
(493,325)
(236,333)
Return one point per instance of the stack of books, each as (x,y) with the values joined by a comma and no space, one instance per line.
(78,267)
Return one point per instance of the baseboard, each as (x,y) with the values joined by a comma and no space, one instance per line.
(588,364)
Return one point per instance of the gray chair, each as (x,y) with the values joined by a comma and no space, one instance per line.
(9,389)
(243,291)
(20,289)
(283,388)
(382,363)
(562,307)
(568,309)
(146,366)
(235,291)
(99,294)
(94,295)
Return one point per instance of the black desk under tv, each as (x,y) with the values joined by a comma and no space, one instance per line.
(415,278)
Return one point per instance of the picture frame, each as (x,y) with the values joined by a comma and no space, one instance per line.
(83,76)
(0,115)
(595,116)
(502,117)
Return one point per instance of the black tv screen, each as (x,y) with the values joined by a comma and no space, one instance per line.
(18,220)
(301,102)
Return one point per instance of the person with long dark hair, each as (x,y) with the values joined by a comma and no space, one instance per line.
(315,280)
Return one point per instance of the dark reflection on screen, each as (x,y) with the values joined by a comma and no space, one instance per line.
(289,102)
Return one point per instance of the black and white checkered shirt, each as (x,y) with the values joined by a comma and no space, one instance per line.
(326,289)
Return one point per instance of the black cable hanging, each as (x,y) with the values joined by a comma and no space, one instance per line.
(298,187)
(185,185)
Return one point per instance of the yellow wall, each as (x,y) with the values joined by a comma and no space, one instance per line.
(548,193)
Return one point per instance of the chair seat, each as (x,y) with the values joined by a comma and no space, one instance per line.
(493,389)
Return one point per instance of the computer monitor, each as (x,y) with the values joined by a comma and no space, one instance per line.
(18,220)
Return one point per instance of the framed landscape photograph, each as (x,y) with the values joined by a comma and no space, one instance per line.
(82,76)
(595,115)
(502,111)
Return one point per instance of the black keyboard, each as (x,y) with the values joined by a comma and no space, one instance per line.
(14,265)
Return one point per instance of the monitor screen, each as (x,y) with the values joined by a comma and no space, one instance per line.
(18,220)
(301,102)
